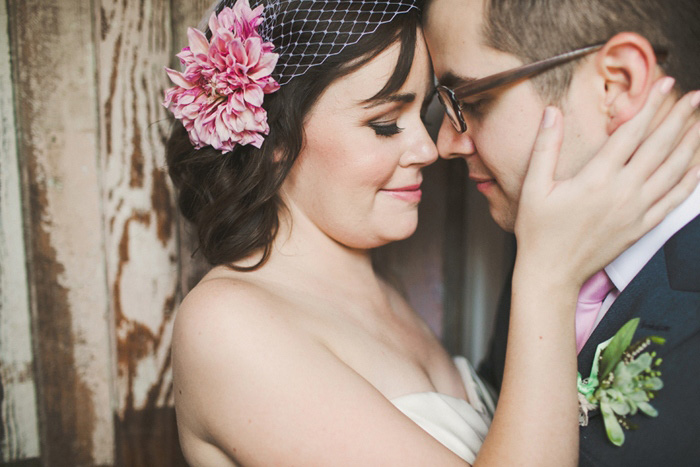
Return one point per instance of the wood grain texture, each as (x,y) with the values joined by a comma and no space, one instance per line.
(141,224)
(138,209)
(193,266)
(187,14)
(56,102)
(19,432)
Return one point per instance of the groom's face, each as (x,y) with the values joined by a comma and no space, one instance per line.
(502,124)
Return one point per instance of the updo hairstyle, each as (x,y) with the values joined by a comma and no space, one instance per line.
(233,200)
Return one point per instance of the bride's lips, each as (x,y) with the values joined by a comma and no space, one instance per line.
(410,193)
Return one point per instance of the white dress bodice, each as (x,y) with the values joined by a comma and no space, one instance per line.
(459,425)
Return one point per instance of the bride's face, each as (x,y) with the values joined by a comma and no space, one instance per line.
(358,177)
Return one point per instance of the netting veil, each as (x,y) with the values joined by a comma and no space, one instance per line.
(305,33)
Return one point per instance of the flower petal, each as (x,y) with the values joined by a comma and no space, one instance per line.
(178,79)
(198,42)
(219,95)
(648,409)
(612,427)
(254,95)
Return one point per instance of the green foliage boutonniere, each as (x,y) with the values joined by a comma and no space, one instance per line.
(623,380)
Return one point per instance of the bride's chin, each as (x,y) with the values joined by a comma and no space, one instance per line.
(396,233)
(404,227)
(375,233)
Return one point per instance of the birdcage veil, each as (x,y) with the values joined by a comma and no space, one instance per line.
(252,50)
(305,33)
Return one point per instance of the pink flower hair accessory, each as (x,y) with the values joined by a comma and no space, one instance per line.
(219,95)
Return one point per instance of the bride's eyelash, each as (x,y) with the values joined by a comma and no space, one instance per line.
(385,129)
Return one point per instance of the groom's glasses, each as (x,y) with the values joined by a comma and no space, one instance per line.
(449,98)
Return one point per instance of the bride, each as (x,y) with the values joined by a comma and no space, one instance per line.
(292,164)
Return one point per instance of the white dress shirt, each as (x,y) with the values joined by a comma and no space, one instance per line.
(632,261)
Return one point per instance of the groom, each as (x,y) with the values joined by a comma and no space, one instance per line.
(657,279)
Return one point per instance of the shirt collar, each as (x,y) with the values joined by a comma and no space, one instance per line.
(630,263)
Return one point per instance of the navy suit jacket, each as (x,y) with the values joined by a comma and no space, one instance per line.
(665,295)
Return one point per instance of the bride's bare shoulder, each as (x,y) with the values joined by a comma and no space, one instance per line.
(223,324)
(227,331)
(223,290)
(224,304)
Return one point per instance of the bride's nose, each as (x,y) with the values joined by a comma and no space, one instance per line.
(422,152)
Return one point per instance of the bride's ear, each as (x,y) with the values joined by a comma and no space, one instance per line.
(627,64)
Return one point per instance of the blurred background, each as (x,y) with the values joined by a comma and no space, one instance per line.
(94,259)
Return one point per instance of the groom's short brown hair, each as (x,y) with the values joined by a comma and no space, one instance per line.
(537,29)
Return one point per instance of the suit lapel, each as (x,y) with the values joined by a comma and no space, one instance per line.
(665,295)
(683,258)
(624,309)
(671,273)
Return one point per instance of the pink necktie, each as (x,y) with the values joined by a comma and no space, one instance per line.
(590,299)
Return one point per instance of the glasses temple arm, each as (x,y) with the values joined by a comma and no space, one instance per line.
(510,76)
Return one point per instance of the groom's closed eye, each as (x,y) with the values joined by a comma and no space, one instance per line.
(473,107)
(476,107)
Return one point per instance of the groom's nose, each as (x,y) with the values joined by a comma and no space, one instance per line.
(452,144)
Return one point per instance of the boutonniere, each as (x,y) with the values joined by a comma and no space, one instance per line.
(624,378)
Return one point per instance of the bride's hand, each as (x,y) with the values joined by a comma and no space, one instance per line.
(575,227)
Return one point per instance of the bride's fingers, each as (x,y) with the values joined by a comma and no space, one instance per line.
(545,152)
(673,168)
(656,147)
(673,199)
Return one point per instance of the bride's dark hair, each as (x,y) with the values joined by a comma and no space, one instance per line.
(233,199)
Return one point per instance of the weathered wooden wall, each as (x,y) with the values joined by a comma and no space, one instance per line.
(86,204)
(93,256)
(19,437)
(57,145)
(134,42)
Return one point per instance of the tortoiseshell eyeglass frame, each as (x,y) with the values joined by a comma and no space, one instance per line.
(449,98)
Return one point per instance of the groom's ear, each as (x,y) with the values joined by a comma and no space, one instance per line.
(627,64)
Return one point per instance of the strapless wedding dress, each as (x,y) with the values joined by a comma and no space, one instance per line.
(459,425)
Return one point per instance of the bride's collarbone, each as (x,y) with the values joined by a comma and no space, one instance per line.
(376,334)
(396,358)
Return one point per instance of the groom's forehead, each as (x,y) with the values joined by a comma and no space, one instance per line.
(456,63)
(465,16)
(456,27)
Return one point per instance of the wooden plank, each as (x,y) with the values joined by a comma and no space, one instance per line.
(56,101)
(138,209)
(19,432)
(185,14)
(141,224)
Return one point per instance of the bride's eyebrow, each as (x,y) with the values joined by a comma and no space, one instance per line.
(404,98)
